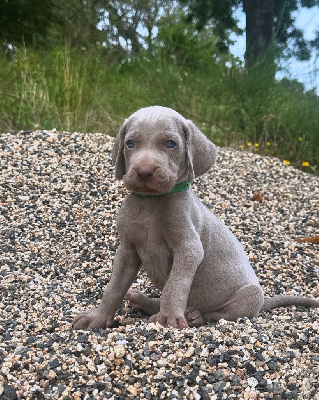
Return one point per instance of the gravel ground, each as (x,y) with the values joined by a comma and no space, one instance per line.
(58,203)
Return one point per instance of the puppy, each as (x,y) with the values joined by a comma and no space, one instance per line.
(188,253)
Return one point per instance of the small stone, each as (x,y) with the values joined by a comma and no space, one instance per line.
(51,375)
(23,198)
(9,392)
(250,368)
(132,390)
(251,395)
(252,382)
(77,395)
(119,351)
(218,386)
(189,352)
(54,363)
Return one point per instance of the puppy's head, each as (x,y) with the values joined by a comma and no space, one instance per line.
(156,148)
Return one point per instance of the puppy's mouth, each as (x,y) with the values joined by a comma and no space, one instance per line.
(154,184)
(148,187)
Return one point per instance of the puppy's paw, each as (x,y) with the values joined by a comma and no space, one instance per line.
(194,317)
(169,320)
(137,299)
(92,319)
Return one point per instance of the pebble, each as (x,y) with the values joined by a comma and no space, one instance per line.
(58,204)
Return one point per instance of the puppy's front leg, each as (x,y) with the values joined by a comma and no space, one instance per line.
(174,296)
(126,266)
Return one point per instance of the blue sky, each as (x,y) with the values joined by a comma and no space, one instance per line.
(306,72)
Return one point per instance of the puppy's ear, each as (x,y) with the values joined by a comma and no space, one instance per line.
(200,151)
(118,159)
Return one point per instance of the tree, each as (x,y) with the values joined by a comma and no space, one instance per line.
(76,23)
(129,24)
(48,22)
(181,41)
(259,29)
(25,21)
(269,25)
(219,12)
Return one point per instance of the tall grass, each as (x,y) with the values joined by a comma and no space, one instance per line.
(80,92)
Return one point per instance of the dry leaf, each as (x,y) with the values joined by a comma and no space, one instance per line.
(257,197)
(314,239)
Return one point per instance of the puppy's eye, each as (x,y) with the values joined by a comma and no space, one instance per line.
(170,144)
(130,144)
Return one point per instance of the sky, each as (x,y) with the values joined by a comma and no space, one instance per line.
(306,72)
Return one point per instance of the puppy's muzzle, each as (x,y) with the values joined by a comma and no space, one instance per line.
(145,172)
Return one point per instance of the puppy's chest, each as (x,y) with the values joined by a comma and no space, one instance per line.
(144,229)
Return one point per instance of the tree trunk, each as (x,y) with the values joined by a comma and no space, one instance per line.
(259,29)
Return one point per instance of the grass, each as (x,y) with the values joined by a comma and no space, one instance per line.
(80,92)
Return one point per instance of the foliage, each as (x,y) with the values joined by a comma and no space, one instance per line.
(127,21)
(20,24)
(78,91)
(287,37)
(180,41)
(218,11)
(84,65)
(125,27)
(75,22)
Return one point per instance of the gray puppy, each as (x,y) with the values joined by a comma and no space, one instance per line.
(187,252)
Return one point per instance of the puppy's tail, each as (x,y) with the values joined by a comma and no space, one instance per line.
(286,301)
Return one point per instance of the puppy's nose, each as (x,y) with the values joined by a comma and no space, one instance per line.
(145,172)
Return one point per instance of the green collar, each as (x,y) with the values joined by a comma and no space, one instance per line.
(180,187)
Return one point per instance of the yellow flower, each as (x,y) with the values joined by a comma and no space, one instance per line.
(268,143)
(241,146)
(305,164)
(300,138)
(249,143)
(256,144)
(286,162)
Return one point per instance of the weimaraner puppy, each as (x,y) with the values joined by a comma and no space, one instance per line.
(188,253)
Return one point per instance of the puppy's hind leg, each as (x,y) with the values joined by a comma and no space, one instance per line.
(246,302)
(141,302)
(194,317)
